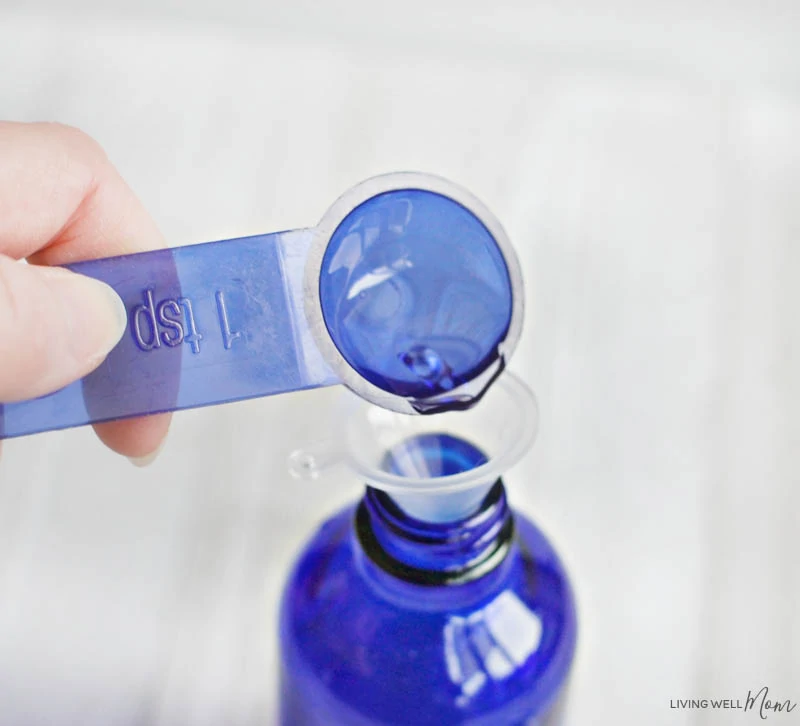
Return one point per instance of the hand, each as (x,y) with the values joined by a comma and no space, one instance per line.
(62,201)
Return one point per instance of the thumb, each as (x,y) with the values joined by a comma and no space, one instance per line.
(55,327)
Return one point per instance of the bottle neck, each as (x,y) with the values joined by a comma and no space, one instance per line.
(443,553)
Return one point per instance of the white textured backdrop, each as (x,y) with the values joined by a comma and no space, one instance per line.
(646,163)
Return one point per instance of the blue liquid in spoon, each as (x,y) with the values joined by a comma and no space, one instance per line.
(417,297)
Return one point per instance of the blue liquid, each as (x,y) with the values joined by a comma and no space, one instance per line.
(390,620)
(415,293)
(432,455)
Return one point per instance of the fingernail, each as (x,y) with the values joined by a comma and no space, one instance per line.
(147,459)
(94,313)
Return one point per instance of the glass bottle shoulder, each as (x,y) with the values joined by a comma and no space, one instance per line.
(491,651)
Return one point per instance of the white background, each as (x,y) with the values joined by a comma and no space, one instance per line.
(644,159)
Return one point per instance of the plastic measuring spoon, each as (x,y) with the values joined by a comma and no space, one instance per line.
(408,292)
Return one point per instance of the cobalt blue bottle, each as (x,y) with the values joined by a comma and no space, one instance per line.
(388,619)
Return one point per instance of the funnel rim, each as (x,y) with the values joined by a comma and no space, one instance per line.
(524,402)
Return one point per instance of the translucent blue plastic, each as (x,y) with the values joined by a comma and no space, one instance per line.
(389,620)
(415,293)
(207,324)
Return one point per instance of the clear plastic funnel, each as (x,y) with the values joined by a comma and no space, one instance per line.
(436,468)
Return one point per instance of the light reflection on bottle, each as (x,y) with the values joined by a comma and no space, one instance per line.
(490,643)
